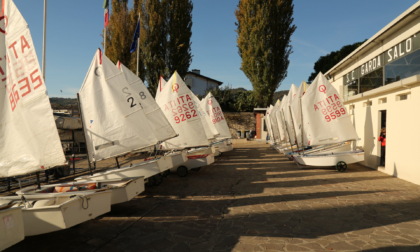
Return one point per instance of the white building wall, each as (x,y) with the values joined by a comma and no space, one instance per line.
(403,116)
(199,86)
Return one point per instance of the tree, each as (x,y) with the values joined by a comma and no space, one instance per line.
(117,41)
(325,63)
(135,64)
(153,40)
(264,29)
(179,23)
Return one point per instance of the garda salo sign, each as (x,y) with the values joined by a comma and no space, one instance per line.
(398,51)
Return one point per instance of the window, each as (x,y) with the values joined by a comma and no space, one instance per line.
(402,97)
(402,68)
(382,100)
(371,80)
(352,88)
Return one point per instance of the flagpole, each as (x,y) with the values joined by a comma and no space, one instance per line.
(104,40)
(44,41)
(138,49)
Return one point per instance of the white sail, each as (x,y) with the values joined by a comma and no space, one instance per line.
(114,121)
(213,109)
(288,115)
(325,117)
(284,138)
(162,83)
(296,109)
(208,126)
(274,125)
(160,125)
(178,104)
(268,122)
(28,134)
(285,115)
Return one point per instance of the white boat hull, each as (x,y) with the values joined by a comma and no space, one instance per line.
(11,227)
(177,158)
(196,158)
(48,214)
(330,159)
(122,190)
(223,146)
(144,169)
(324,149)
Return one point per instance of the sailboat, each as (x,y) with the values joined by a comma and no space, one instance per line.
(161,126)
(223,141)
(327,122)
(184,113)
(30,141)
(115,123)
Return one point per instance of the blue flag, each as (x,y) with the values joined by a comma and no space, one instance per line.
(136,36)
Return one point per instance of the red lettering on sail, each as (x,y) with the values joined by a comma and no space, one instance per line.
(182,108)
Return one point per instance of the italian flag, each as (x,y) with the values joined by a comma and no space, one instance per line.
(106,12)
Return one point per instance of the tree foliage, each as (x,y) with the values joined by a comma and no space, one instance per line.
(325,63)
(152,40)
(165,34)
(179,24)
(117,46)
(264,29)
(234,100)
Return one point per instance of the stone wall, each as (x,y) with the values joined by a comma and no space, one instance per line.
(240,121)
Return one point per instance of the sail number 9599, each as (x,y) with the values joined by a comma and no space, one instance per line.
(333,111)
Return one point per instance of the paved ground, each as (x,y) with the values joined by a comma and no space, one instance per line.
(254,199)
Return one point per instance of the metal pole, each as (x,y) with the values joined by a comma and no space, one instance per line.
(84,134)
(44,41)
(287,130)
(294,128)
(104,40)
(138,48)
(138,55)
(301,125)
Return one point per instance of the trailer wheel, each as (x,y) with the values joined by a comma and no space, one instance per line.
(182,171)
(341,166)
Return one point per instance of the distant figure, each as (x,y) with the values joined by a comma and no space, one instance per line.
(251,135)
(382,139)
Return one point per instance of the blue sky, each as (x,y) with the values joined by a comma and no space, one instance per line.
(74,33)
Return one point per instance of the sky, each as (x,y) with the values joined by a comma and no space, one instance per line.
(74,31)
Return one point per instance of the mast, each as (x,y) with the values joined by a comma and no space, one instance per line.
(44,41)
(294,130)
(287,130)
(138,49)
(84,134)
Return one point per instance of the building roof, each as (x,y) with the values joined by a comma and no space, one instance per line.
(260,110)
(205,77)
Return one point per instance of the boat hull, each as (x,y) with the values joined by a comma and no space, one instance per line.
(223,146)
(144,169)
(177,158)
(11,227)
(122,190)
(332,159)
(45,214)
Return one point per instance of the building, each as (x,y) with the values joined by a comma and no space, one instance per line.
(260,128)
(380,83)
(199,84)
